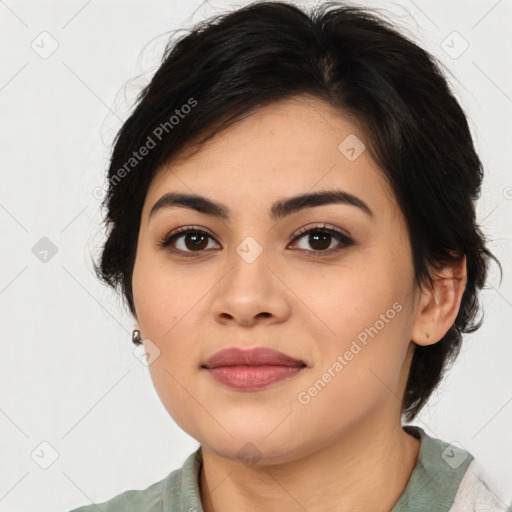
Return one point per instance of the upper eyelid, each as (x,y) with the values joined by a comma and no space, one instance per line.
(300,231)
(324,227)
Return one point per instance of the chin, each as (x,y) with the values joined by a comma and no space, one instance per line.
(253,446)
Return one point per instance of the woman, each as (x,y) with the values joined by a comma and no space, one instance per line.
(292,224)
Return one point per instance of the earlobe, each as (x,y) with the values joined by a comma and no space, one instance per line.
(439,305)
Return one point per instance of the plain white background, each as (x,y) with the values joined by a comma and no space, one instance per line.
(80,419)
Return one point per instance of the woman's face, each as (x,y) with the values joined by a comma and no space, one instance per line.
(345,306)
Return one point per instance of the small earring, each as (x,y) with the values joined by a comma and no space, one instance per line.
(136,338)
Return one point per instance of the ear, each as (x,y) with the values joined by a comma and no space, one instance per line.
(439,305)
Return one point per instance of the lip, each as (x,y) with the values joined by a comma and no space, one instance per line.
(252,368)
(258,356)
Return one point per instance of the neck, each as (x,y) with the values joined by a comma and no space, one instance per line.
(342,476)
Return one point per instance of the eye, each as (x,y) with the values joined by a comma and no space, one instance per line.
(321,239)
(186,240)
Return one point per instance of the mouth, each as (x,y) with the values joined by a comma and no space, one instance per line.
(253,368)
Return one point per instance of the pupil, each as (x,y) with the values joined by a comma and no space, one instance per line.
(196,241)
(323,245)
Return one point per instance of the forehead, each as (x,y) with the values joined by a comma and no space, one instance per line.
(289,147)
(294,128)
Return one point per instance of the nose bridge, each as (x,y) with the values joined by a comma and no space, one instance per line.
(250,288)
(250,249)
(249,261)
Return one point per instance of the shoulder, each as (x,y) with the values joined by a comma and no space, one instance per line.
(147,500)
(170,493)
(475,493)
(447,478)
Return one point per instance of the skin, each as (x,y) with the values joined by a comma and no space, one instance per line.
(333,452)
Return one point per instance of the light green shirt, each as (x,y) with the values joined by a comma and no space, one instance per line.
(444,479)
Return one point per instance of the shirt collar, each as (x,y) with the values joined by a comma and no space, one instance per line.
(434,481)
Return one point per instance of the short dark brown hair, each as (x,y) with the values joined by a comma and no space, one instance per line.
(357,62)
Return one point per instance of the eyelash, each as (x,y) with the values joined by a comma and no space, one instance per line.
(340,236)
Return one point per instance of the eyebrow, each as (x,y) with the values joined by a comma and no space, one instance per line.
(279,209)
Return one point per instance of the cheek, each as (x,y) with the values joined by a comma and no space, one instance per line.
(168,306)
(346,300)
(361,314)
(166,309)
(360,367)
(161,297)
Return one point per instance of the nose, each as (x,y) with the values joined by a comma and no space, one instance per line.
(251,293)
